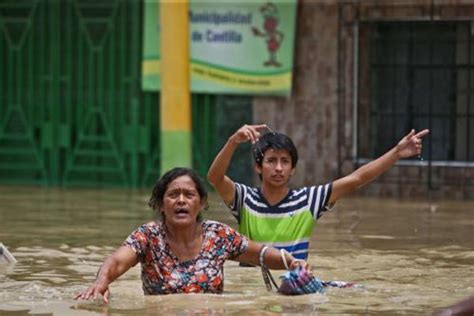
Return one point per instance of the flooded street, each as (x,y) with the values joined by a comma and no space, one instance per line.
(410,256)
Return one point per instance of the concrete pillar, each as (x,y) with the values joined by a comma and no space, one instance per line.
(175,110)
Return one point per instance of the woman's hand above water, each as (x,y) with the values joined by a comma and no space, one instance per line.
(93,291)
(295,263)
(117,264)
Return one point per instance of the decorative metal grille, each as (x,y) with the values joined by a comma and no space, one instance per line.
(417,75)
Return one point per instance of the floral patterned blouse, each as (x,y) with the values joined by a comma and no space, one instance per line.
(163,273)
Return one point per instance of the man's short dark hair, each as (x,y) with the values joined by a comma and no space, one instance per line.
(274,140)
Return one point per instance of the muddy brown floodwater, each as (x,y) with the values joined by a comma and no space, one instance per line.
(411,257)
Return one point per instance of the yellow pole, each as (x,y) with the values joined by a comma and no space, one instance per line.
(175,110)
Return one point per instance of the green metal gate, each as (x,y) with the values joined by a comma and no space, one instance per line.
(71,109)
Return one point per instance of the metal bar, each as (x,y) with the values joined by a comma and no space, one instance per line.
(81,98)
(68,86)
(94,5)
(355,89)
(136,60)
(430,121)
(95,169)
(425,163)
(30,74)
(94,152)
(99,52)
(14,3)
(54,95)
(42,75)
(452,116)
(13,150)
(3,103)
(421,66)
(19,166)
(124,83)
(16,19)
(468,90)
(411,79)
(109,98)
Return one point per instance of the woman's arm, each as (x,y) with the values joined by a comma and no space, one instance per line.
(272,257)
(117,264)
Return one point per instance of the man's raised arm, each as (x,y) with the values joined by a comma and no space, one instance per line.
(217,172)
(408,146)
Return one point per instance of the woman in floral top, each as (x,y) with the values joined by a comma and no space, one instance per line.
(181,253)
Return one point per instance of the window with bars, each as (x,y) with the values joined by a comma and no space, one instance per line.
(416,75)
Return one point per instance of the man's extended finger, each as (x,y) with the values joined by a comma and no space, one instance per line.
(422,133)
(260,126)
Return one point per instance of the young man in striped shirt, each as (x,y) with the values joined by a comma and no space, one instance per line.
(273,213)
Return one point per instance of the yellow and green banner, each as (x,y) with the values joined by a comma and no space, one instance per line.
(236,47)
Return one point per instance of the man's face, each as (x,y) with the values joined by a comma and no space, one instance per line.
(276,168)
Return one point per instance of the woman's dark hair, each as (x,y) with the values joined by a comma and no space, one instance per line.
(274,140)
(158,191)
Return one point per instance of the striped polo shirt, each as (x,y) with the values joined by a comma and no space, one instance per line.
(286,225)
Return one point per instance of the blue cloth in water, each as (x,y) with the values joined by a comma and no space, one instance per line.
(300,281)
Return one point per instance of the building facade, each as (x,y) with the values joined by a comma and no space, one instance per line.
(366,72)
(72,111)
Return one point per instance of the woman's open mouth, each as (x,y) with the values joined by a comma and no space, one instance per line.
(181,211)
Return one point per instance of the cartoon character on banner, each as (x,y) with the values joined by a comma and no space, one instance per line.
(272,35)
